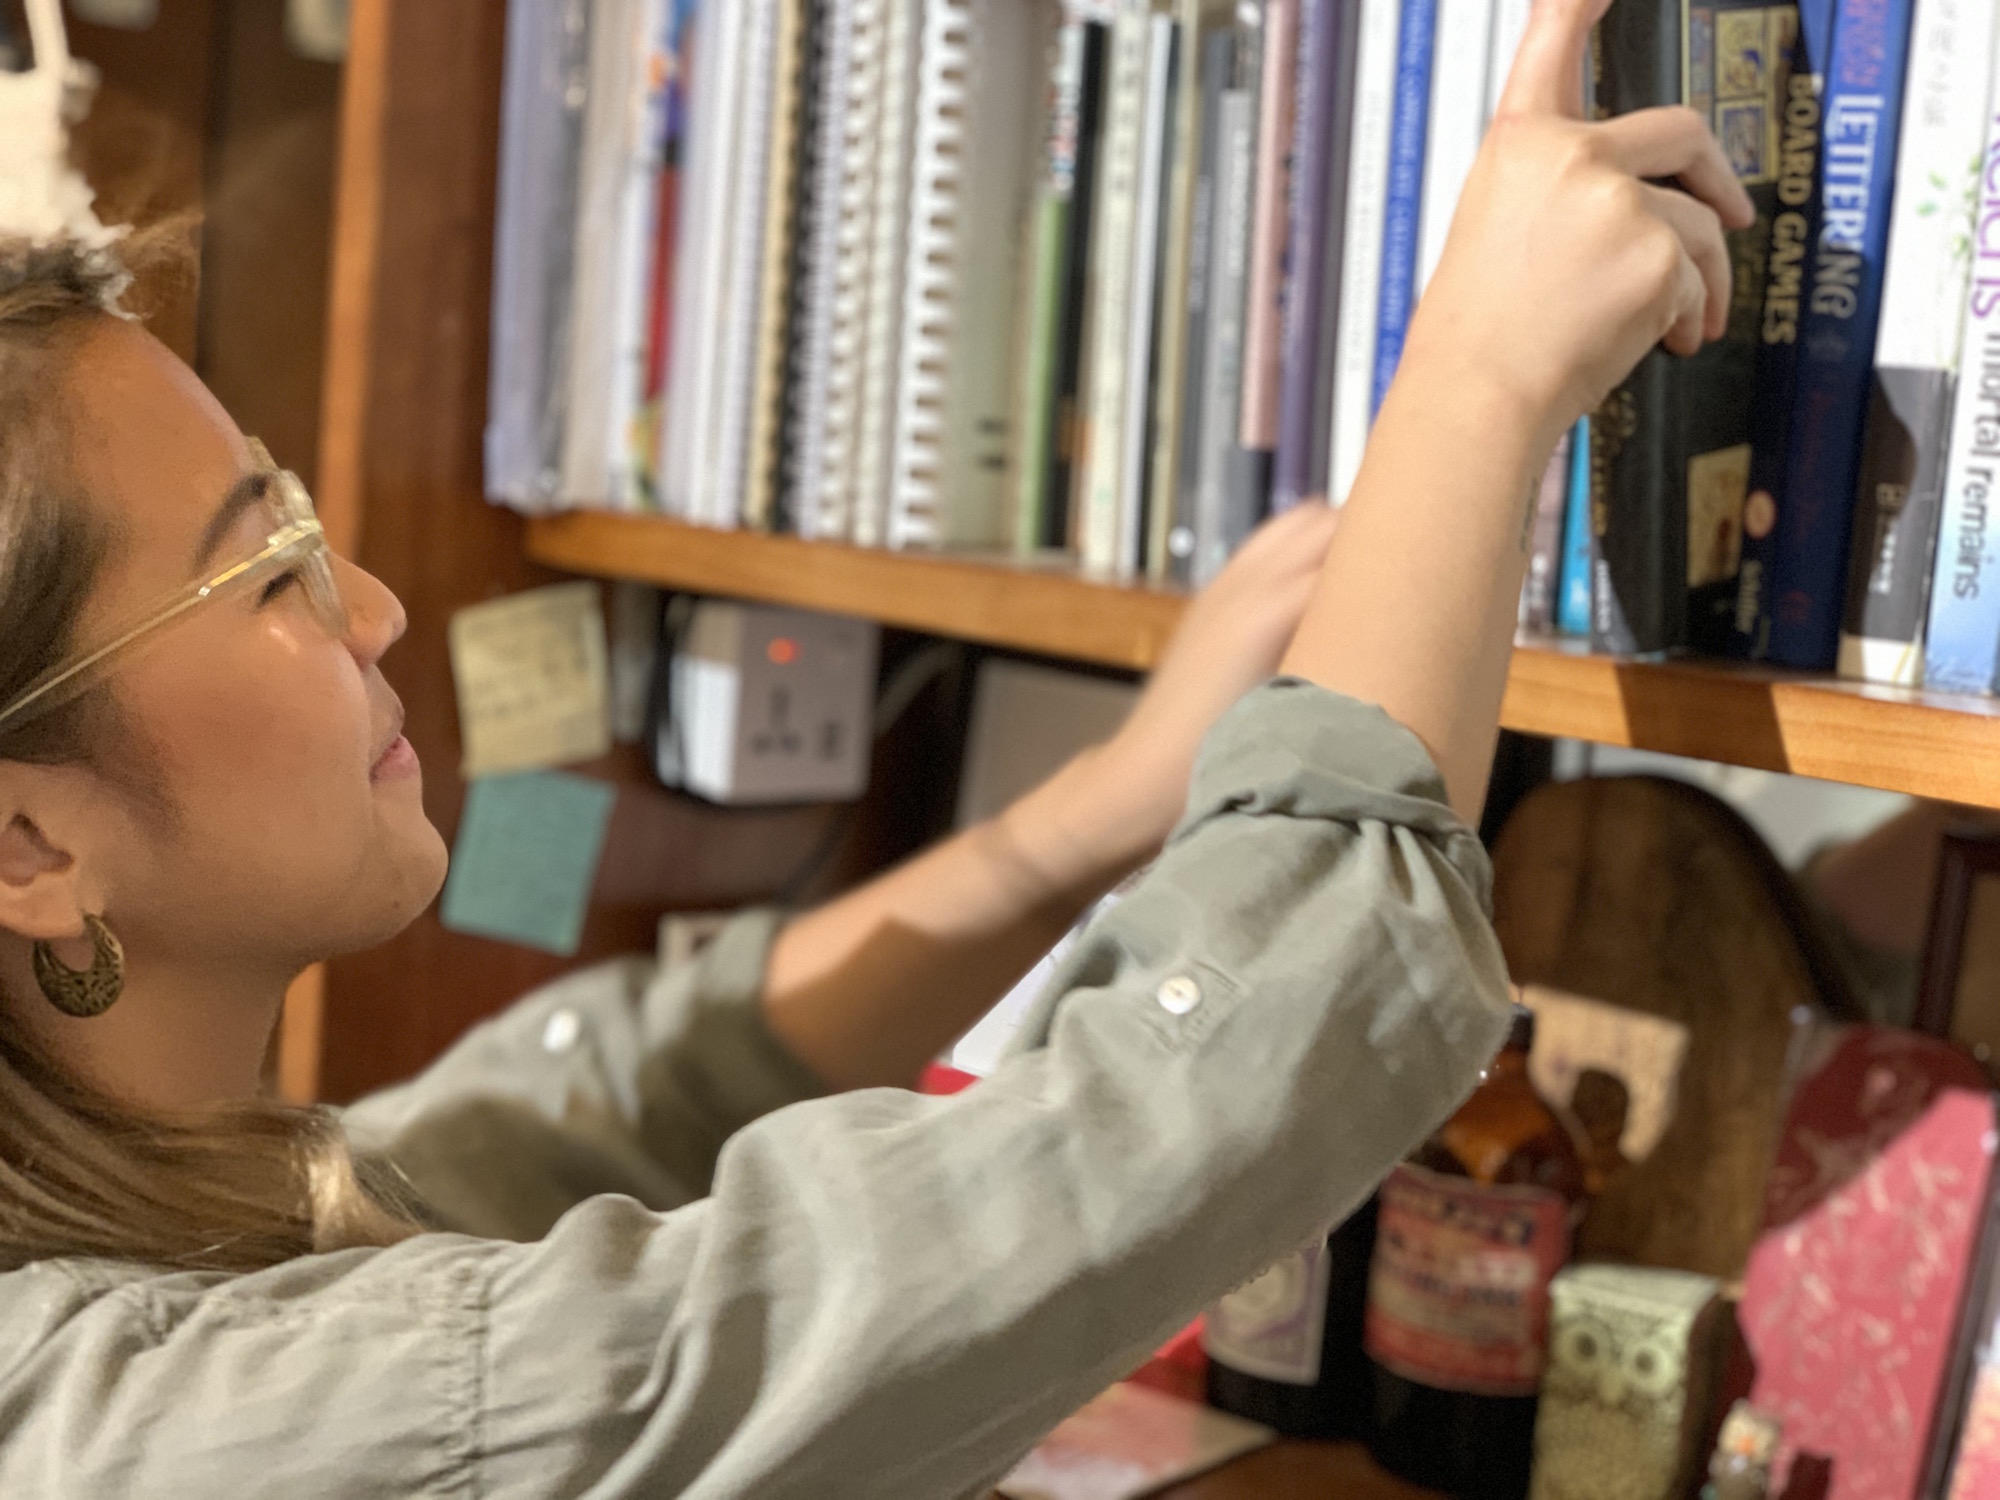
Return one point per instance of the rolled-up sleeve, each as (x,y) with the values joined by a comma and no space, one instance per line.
(885,1295)
(894,1296)
(622,1078)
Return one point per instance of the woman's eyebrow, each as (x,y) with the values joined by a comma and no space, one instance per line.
(246,492)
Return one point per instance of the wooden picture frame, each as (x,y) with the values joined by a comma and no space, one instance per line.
(1958,991)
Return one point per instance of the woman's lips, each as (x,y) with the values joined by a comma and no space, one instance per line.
(398,761)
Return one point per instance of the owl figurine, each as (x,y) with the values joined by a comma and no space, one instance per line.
(1626,1388)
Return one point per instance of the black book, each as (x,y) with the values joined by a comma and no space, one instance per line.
(1670,446)
(1075,291)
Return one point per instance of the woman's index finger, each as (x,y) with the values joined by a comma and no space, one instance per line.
(1547,77)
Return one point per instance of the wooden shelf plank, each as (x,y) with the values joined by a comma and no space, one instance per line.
(995,601)
(1933,745)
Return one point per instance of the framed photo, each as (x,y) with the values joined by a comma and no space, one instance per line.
(1958,993)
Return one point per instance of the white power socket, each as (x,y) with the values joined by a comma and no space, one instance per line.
(769,705)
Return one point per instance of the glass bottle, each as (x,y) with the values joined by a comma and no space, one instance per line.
(1472,1228)
(1285,1349)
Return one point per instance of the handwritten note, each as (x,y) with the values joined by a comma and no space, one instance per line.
(533,686)
(526,857)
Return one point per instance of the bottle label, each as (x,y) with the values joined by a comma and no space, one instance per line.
(1458,1293)
(1273,1327)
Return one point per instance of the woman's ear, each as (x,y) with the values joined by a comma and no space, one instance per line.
(42,891)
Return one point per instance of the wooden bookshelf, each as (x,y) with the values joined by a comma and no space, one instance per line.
(1930,744)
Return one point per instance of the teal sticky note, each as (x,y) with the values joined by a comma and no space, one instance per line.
(525,859)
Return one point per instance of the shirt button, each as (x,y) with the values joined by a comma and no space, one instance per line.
(561,1031)
(1178,996)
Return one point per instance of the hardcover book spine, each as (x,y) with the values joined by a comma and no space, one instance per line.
(1177,253)
(1672,454)
(764,452)
(1338,149)
(1305,235)
(1222,391)
(1218,61)
(1924,288)
(1143,330)
(1965,588)
(1458,120)
(1794,232)
(1110,307)
(1064,451)
(1409,127)
(1637,535)
(1034,421)
(1573,600)
(1863,114)
(1263,314)
(1361,250)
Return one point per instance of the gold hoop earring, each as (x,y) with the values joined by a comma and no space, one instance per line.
(84,993)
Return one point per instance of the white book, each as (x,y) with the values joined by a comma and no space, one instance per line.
(1926,274)
(725,475)
(974,153)
(1459,70)
(1109,303)
(882,332)
(616,48)
(819,238)
(1146,313)
(1510,24)
(1361,251)
(701,266)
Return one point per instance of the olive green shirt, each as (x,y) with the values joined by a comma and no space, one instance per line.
(674,1271)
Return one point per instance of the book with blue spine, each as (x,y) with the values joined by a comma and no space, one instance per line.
(1416,41)
(1794,232)
(1959,653)
(1573,593)
(1861,120)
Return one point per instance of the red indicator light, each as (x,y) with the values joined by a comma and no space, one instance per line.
(783,651)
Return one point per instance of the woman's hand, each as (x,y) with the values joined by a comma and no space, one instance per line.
(1231,638)
(1565,265)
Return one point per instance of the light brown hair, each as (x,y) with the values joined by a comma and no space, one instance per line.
(235,1188)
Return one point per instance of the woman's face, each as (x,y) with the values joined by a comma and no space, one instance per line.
(288,820)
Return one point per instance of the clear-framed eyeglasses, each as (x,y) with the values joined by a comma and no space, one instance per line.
(295,542)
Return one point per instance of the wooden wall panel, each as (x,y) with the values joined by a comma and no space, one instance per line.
(267,230)
(144,144)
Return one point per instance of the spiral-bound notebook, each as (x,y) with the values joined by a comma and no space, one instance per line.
(973,139)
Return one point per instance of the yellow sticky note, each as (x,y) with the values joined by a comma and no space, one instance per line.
(533,687)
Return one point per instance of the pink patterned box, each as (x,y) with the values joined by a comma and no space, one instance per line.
(1853,1302)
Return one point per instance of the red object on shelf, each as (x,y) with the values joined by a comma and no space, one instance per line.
(1853,1298)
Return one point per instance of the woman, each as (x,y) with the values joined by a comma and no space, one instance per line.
(672,1268)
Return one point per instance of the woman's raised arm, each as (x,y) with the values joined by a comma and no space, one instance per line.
(1565,265)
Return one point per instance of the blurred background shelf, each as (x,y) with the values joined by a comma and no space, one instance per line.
(1929,744)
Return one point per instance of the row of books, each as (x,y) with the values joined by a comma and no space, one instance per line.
(1119,277)
(1812,489)
(1112,277)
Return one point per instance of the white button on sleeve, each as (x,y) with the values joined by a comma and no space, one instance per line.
(1178,996)
(561,1031)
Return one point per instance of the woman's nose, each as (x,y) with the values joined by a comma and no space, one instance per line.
(375,616)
